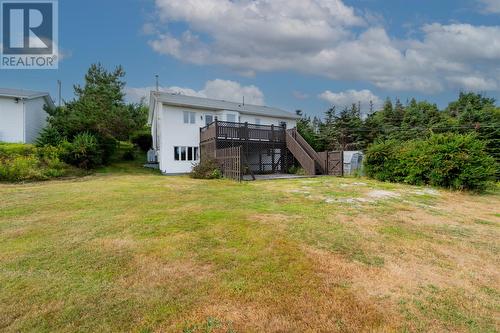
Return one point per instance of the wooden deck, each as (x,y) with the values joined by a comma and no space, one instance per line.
(223,130)
(243,148)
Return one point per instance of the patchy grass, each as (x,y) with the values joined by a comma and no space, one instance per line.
(129,250)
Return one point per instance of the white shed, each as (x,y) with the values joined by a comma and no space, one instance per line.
(22,114)
(353,162)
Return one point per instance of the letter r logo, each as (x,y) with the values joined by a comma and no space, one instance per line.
(27,27)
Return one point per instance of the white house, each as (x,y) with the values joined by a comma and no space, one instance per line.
(176,121)
(22,115)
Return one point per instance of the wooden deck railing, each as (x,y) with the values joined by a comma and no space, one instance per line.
(224,130)
(208,132)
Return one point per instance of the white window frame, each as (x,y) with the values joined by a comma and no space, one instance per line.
(189,117)
(195,153)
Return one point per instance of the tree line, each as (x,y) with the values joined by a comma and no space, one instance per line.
(348,129)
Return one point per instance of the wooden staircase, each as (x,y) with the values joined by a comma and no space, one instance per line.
(308,158)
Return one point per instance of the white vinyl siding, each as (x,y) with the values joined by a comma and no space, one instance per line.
(11,120)
(35,118)
(175,133)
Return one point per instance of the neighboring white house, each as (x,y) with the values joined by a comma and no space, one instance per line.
(176,121)
(22,115)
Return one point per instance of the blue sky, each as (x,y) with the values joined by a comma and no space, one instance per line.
(279,53)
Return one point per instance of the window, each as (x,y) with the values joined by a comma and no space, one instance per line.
(231,118)
(283,124)
(209,119)
(189,117)
(183,153)
(177,153)
(257,121)
(186,153)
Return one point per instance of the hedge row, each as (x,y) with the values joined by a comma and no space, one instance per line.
(19,162)
(452,161)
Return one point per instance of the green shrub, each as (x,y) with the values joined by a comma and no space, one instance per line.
(295,170)
(107,146)
(143,140)
(27,163)
(206,169)
(129,155)
(49,136)
(15,149)
(84,152)
(381,160)
(446,160)
(20,168)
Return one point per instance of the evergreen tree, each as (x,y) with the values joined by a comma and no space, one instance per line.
(343,131)
(98,109)
(309,130)
(398,114)
(476,113)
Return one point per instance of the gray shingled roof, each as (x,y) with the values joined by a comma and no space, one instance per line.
(18,93)
(213,104)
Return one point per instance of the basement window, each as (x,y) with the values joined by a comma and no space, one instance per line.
(183,154)
(177,153)
(186,154)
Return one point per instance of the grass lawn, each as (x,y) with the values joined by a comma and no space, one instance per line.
(130,250)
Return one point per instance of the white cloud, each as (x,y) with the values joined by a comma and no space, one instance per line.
(300,95)
(233,91)
(216,89)
(490,6)
(65,54)
(473,83)
(349,97)
(317,37)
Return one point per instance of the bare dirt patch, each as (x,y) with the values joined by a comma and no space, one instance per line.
(381,194)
